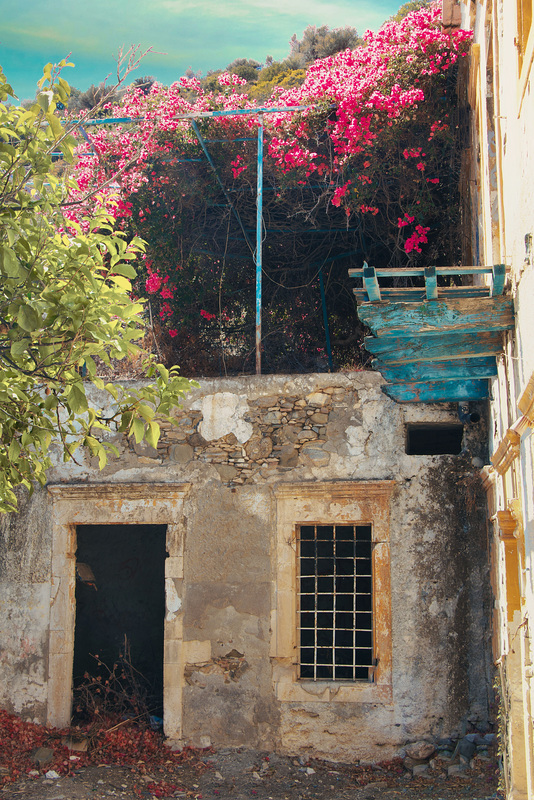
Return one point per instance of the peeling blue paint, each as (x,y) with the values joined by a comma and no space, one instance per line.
(437,316)
(457,369)
(437,392)
(429,347)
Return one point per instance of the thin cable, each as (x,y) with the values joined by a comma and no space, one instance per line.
(219,181)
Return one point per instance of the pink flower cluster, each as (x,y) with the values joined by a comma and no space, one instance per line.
(229,79)
(418,237)
(436,127)
(406,220)
(339,193)
(349,80)
(413,152)
(369,210)
(165,311)
(153,283)
(238,166)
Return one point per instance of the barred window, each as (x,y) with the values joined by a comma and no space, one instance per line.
(335,609)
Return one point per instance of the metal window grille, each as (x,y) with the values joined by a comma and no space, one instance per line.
(335,614)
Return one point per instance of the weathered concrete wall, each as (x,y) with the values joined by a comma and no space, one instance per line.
(236,441)
(227,602)
(25,552)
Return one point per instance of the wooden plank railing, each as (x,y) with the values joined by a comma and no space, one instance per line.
(372,292)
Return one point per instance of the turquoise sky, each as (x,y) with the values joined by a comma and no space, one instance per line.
(202,34)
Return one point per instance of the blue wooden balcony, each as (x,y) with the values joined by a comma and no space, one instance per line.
(433,343)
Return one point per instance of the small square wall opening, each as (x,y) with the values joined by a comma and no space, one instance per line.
(434,439)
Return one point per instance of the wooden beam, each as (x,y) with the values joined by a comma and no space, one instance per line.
(438,316)
(431,283)
(459,369)
(408,294)
(429,347)
(437,392)
(499,277)
(413,272)
(370,283)
(413,294)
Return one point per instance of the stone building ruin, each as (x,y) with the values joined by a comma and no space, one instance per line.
(298,571)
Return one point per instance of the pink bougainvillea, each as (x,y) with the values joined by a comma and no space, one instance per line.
(153,283)
(339,193)
(356,103)
(417,238)
(238,166)
(230,79)
(406,220)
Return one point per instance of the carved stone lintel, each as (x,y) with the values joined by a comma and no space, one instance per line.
(117,491)
(336,489)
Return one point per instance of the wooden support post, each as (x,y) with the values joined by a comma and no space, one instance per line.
(499,277)
(431,283)
(370,281)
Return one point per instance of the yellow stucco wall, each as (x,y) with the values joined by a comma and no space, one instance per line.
(501,95)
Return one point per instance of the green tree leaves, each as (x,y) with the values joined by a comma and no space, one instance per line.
(64,300)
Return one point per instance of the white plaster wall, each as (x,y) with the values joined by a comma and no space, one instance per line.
(516,102)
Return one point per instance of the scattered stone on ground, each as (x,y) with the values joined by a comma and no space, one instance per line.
(242,774)
(122,757)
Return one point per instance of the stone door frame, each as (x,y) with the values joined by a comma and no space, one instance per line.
(114,504)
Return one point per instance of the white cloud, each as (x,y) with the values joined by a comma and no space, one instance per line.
(361,15)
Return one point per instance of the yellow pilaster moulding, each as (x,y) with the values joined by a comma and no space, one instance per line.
(508,532)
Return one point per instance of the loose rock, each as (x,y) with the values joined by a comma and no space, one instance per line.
(420,750)
(42,755)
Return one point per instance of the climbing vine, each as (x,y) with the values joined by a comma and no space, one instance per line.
(368,170)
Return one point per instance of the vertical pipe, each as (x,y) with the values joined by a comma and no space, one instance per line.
(259,232)
(325,320)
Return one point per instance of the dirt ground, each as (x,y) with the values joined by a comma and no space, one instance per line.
(242,774)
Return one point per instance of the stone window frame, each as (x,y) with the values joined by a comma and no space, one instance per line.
(332,502)
(114,504)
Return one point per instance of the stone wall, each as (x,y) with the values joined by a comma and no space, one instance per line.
(237,442)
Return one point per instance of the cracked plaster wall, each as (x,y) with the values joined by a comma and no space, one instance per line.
(25,547)
(235,441)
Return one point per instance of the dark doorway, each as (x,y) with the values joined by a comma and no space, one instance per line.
(120,609)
